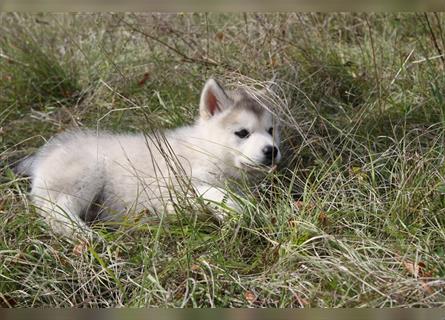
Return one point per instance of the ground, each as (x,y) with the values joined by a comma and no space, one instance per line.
(353,217)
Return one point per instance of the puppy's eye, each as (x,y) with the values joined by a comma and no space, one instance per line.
(242,133)
(270,131)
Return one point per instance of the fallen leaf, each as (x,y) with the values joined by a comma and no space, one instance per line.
(195,267)
(80,248)
(250,296)
(219,36)
(411,267)
(417,269)
(426,288)
(323,219)
(302,301)
(293,223)
(144,79)
(273,61)
(299,204)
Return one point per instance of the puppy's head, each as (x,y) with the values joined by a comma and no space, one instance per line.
(241,123)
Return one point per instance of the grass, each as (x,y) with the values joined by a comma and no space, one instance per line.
(354,217)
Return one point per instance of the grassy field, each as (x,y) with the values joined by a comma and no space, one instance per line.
(354,217)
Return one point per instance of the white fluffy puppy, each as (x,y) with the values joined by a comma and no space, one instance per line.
(80,176)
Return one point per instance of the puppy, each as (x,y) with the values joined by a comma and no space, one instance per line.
(81,176)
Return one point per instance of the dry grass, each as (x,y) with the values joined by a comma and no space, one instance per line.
(354,217)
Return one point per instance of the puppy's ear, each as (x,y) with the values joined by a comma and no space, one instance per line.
(213,100)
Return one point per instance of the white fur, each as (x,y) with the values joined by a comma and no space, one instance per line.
(132,172)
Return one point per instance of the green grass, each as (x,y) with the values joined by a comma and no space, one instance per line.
(354,217)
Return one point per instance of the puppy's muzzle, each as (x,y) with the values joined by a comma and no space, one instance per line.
(270,155)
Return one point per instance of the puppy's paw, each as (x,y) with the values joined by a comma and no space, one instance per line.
(219,201)
(68,229)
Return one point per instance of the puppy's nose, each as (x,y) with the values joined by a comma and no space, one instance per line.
(270,152)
